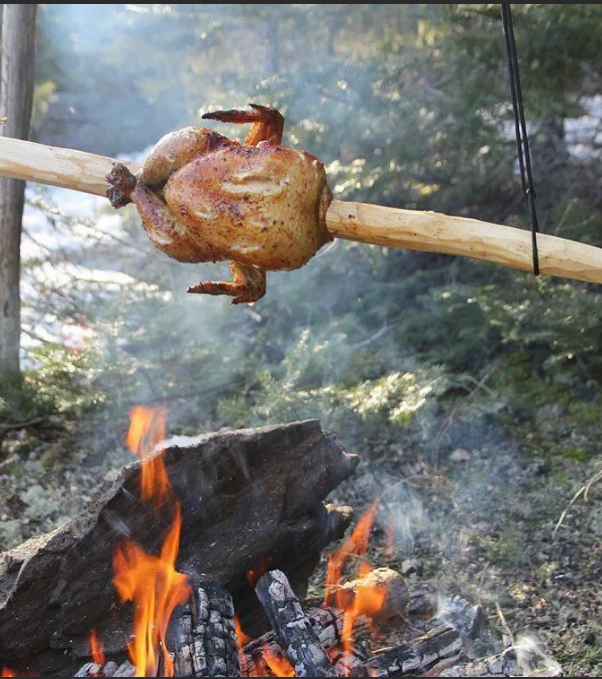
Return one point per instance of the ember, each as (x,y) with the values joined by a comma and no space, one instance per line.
(280,667)
(264,565)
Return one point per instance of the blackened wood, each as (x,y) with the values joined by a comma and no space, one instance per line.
(204,638)
(292,627)
(500,665)
(468,620)
(433,650)
(109,669)
(126,669)
(247,496)
(90,669)
(327,623)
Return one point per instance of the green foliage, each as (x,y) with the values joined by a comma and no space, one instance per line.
(65,380)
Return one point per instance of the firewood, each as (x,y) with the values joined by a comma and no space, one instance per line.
(426,654)
(246,496)
(409,598)
(126,669)
(109,669)
(90,669)
(327,623)
(397,598)
(205,643)
(292,627)
(391,227)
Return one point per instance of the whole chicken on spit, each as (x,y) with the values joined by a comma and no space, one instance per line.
(203,197)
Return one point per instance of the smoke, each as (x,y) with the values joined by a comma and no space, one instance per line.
(532,658)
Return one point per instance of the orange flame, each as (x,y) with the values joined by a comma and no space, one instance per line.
(355,545)
(242,639)
(147,429)
(369,599)
(97,650)
(279,666)
(156,588)
(349,618)
(364,569)
(6,672)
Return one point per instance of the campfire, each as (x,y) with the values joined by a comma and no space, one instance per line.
(196,563)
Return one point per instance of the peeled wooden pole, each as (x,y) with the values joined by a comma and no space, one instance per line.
(411,229)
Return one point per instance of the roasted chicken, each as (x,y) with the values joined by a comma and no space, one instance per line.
(205,198)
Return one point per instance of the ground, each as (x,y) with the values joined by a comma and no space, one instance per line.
(478,520)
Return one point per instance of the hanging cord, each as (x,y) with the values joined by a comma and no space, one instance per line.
(524,157)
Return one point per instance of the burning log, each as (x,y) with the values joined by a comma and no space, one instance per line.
(292,627)
(405,598)
(430,653)
(246,496)
(327,624)
(393,584)
(413,599)
(205,638)
(411,229)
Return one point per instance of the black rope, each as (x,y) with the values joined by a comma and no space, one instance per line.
(524,157)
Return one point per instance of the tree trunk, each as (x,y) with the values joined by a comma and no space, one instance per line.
(16,98)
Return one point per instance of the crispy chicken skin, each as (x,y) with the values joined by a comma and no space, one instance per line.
(203,197)
(259,205)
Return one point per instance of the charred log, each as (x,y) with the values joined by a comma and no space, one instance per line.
(109,669)
(429,653)
(246,495)
(204,639)
(292,626)
(327,623)
(468,620)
